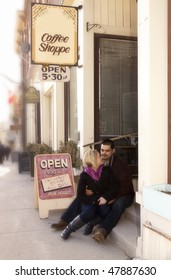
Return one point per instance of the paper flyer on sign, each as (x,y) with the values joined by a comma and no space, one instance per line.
(56,183)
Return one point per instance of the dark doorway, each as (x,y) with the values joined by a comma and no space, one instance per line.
(116,98)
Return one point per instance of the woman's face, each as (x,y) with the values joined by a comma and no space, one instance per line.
(99,160)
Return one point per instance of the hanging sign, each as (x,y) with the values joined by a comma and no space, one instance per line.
(54,73)
(32,95)
(54,35)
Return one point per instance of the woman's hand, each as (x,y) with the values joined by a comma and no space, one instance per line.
(102,200)
(111,201)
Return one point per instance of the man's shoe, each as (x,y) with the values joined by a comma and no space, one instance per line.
(99,234)
(60,225)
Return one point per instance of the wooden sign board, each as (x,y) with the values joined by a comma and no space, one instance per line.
(54,182)
(54,33)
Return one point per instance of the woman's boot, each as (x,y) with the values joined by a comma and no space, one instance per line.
(73,226)
(90,225)
(88,228)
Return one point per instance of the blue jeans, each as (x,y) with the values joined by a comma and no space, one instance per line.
(116,212)
(111,219)
(91,211)
(73,210)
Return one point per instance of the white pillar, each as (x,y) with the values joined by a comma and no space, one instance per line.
(152,91)
(86,76)
(59,125)
(31,123)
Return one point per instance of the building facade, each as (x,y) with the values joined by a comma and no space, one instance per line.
(119,87)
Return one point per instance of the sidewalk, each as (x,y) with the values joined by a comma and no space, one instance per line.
(24,236)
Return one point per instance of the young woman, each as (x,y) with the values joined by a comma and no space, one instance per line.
(99,180)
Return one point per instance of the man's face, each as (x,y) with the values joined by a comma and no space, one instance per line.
(106,152)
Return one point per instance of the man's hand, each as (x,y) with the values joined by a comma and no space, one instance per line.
(89,192)
(102,200)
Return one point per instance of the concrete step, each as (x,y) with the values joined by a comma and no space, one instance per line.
(126,232)
(133,213)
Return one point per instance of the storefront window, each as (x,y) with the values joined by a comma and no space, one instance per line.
(117,107)
(116,99)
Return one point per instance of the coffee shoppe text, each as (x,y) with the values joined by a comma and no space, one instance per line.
(47,44)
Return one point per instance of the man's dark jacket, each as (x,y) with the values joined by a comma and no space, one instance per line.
(122,173)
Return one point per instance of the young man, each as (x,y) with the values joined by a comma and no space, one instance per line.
(124,197)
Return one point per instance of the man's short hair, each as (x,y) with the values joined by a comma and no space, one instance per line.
(108,142)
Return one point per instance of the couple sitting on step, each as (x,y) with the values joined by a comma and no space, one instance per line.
(104,191)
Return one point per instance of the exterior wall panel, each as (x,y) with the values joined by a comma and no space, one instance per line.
(112,12)
(159,245)
(104,12)
(126,13)
(117,14)
(97,11)
(133,14)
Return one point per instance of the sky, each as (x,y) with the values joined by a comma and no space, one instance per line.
(9,60)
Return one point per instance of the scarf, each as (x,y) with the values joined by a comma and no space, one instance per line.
(95,175)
